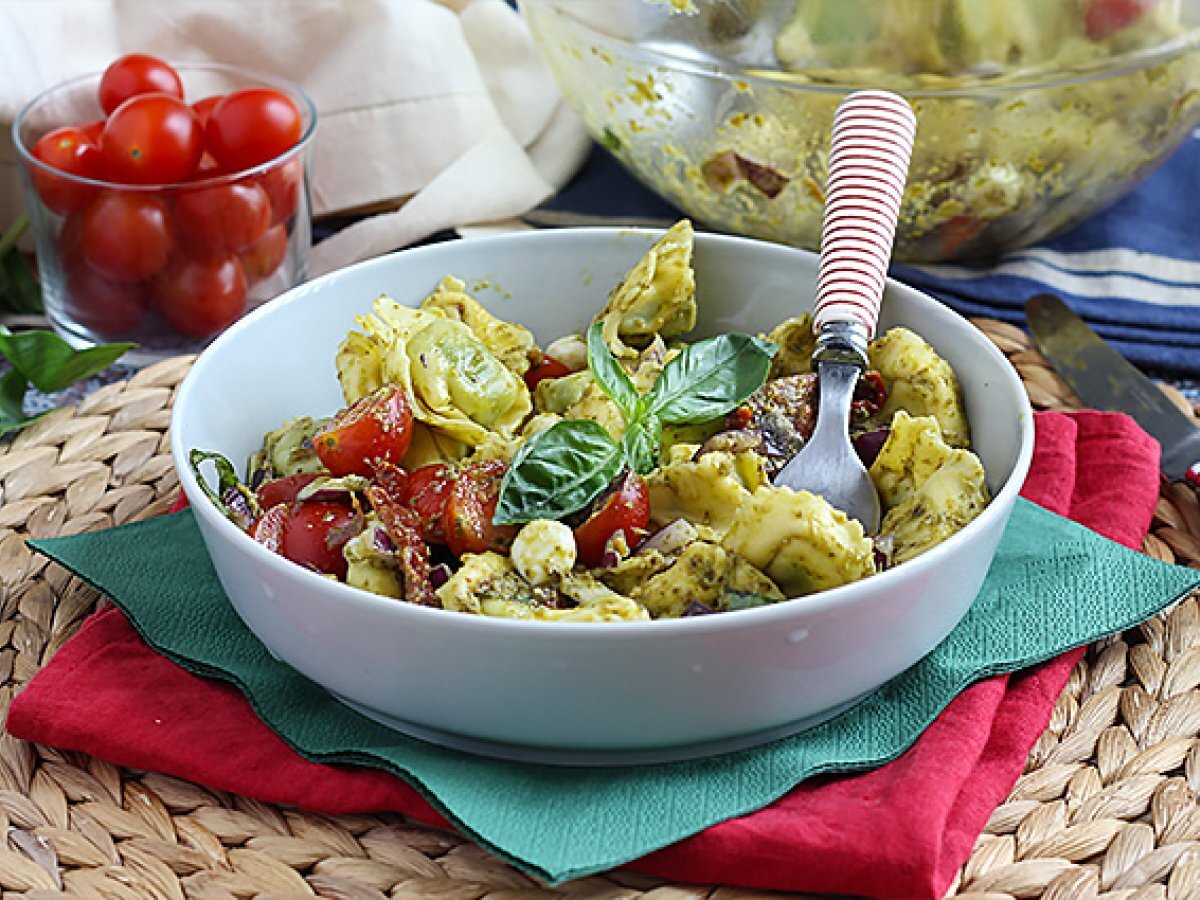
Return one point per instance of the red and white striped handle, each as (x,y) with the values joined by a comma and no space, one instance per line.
(872,142)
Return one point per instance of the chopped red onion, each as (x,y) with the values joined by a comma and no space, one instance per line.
(610,560)
(869,443)
(439,575)
(382,541)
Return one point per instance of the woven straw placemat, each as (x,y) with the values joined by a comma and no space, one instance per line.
(1107,805)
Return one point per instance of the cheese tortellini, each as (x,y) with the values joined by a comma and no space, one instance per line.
(701,528)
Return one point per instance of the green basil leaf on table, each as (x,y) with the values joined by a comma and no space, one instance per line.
(12,395)
(710,378)
(613,379)
(50,363)
(558,471)
(19,291)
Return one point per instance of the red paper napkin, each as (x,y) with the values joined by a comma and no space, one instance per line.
(902,830)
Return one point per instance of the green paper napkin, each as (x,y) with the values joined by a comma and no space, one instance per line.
(1054,585)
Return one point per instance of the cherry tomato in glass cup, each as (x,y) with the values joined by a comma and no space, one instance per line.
(224,216)
(137,73)
(283,184)
(108,308)
(203,108)
(152,139)
(262,258)
(72,151)
(200,295)
(251,127)
(126,235)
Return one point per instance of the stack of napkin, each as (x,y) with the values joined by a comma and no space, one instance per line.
(212,706)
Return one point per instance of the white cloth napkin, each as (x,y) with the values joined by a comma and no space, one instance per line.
(443,104)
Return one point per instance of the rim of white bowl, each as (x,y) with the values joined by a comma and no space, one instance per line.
(846,595)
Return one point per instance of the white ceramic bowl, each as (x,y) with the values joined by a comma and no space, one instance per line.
(576,692)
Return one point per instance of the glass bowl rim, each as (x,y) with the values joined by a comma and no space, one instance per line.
(308,113)
(970,85)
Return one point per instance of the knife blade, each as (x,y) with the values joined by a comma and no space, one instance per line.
(1104,379)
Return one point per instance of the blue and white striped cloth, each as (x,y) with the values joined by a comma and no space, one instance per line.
(1132,272)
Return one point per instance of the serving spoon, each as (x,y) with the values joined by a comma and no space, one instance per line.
(873,133)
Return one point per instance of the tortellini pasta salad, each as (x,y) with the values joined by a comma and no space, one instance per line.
(624,473)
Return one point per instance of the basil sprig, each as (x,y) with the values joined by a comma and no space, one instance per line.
(562,469)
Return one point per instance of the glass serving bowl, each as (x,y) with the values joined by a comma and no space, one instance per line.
(207,280)
(1032,114)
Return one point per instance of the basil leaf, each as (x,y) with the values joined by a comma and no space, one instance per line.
(710,378)
(745,600)
(613,379)
(233,498)
(12,396)
(52,364)
(558,471)
(19,291)
(642,443)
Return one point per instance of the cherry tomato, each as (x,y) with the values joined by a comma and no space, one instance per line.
(205,169)
(69,150)
(203,108)
(956,232)
(200,295)
(377,427)
(137,73)
(264,256)
(426,493)
(126,235)
(311,534)
(252,126)
(1102,18)
(549,367)
(224,216)
(626,509)
(152,139)
(284,489)
(93,130)
(470,507)
(108,308)
(283,184)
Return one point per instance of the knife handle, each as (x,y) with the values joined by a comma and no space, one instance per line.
(873,133)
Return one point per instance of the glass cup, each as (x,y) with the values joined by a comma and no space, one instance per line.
(200,264)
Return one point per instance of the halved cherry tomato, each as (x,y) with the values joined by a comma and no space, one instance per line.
(470,507)
(200,295)
(264,256)
(126,235)
(137,73)
(549,367)
(377,427)
(626,510)
(224,216)
(152,139)
(1102,18)
(426,493)
(252,126)
(69,150)
(311,534)
(284,489)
